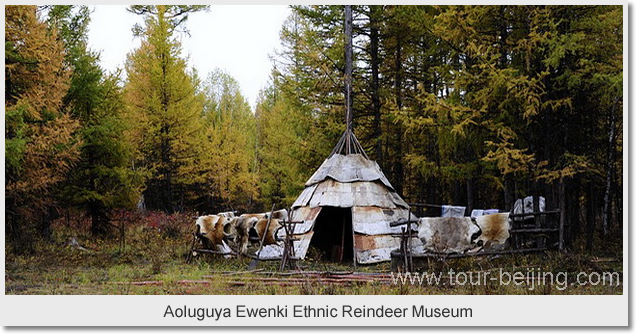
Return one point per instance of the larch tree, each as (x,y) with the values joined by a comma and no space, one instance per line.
(285,148)
(471,105)
(230,180)
(164,105)
(40,147)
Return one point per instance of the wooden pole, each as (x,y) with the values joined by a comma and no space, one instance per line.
(254,262)
(348,32)
(562,214)
(407,248)
(348,72)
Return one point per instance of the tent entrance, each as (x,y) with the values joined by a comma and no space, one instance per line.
(333,234)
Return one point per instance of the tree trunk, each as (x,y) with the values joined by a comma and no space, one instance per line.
(503,34)
(509,198)
(399,168)
(574,211)
(457,193)
(470,196)
(44,227)
(607,198)
(98,219)
(619,209)
(537,218)
(590,218)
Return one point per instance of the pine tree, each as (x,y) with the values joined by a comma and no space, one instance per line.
(102,179)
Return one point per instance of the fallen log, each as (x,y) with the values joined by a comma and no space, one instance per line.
(247,283)
(231,273)
(186,282)
(138,283)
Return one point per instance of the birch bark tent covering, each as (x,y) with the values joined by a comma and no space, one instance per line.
(348,179)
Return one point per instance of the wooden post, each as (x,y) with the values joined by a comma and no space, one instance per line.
(288,246)
(561,214)
(122,236)
(254,262)
(407,248)
(190,255)
(515,222)
(536,201)
(405,259)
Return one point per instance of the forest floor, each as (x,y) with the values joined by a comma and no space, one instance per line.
(152,262)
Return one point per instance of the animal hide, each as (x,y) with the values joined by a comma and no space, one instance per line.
(255,215)
(227,214)
(270,234)
(278,214)
(447,234)
(229,228)
(243,225)
(210,230)
(494,230)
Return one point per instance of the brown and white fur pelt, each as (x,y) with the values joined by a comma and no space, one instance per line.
(227,214)
(210,230)
(495,230)
(270,233)
(257,224)
(228,228)
(281,215)
(255,215)
(242,225)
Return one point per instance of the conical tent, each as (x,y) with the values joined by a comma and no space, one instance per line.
(347,206)
(352,203)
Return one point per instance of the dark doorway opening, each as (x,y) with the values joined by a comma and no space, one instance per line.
(333,234)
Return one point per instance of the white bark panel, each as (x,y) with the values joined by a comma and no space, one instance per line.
(346,195)
(301,246)
(349,168)
(275,252)
(304,197)
(372,220)
(374,249)
(306,214)
(527,205)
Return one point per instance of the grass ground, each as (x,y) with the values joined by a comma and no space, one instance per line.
(153,262)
